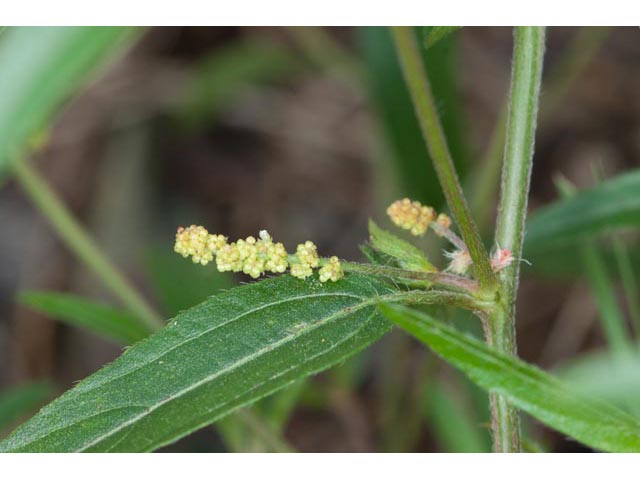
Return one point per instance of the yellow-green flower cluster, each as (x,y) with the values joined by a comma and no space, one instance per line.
(412,216)
(332,270)
(196,242)
(252,256)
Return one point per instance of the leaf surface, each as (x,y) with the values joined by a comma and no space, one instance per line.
(223,354)
(594,423)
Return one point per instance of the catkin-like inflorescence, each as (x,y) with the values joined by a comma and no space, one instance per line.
(252,256)
(412,216)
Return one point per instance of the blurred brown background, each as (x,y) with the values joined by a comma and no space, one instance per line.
(300,153)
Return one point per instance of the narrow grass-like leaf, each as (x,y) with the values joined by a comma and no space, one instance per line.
(629,281)
(41,67)
(98,318)
(21,401)
(594,423)
(432,35)
(223,354)
(595,269)
(612,204)
(407,255)
(452,420)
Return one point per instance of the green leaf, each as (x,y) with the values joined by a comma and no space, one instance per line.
(408,256)
(599,425)
(98,318)
(606,375)
(433,35)
(21,401)
(41,67)
(223,354)
(453,420)
(612,204)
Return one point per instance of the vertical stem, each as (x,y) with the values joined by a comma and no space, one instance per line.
(82,245)
(418,83)
(512,210)
(576,57)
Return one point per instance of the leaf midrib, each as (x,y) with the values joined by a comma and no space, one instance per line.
(209,419)
(188,340)
(231,367)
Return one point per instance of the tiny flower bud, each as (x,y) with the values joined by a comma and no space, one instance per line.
(332,270)
(307,253)
(444,221)
(301,270)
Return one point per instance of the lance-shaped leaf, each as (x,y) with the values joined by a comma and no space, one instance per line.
(41,67)
(612,204)
(594,423)
(101,319)
(225,353)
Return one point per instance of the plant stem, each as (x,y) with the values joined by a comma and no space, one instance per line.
(420,89)
(516,172)
(576,57)
(79,242)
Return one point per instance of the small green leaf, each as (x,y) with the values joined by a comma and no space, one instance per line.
(76,311)
(612,204)
(41,67)
(21,401)
(223,354)
(407,255)
(433,35)
(594,423)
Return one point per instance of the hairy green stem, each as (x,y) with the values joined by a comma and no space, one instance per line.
(79,242)
(574,60)
(512,210)
(420,89)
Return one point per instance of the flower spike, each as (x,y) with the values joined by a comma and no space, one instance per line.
(252,256)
